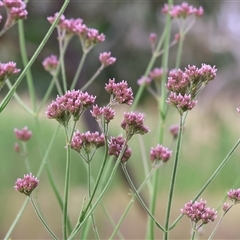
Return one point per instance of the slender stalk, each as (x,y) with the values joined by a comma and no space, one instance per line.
(220,220)
(79,69)
(67,183)
(173,178)
(9,95)
(19,100)
(138,196)
(116,228)
(89,195)
(91,80)
(110,179)
(24,56)
(219,168)
(193,231)
(17,218)
(42,220)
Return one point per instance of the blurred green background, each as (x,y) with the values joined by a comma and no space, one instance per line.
(212,128)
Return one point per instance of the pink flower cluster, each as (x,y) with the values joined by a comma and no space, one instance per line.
(16,9)
(23,134)
(160,153)
(155,74)
(107,113)
(26,184)
(50,63)
(115,146)
(73,103)
(185,86)
(88,141)
(88,36)
(197,211)
(234,195)
(182,11)
(7,70)
(120,92)
(106,59)
(181,102)
(174,130)
(133,124)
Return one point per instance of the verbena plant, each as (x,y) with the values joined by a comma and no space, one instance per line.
(178,88)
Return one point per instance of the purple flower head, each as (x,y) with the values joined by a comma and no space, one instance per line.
(238,109)
(115,146)
(107,113)
(144,81)
(178,81)
(106,59)
(88,141)
(73,103)
(23,134)
(16,10)
(234,195)
(133,124)
(50,63)
(6,71)
(156,74)
(174,130)
(225,206)
(182,11)
(152,38)
(182,103)
(197,211)
(160,153)
(120,92)
(26,184)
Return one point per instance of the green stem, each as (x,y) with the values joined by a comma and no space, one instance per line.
(42,220)
(173,178)
(92,78)
(149,67)
(220,220)
(89,195)
(67,183)
(19,100)
(180,48)
(26,159)
(9,95)
(139,197)
(17,218)
(75,79)
(110,179)
(24,56)
(193,231)
(219,168)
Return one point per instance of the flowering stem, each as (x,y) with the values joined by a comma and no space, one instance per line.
(139,197)
(116,227)
(90,81)
(149,67)
(131,203)
(8,234)
(41,219)
(110,179)
(220,220)
(9,95)
(19,100)
(193,231)
(23,50)
(180,48)
(75,79)
(89,195)
(173,179)
(219,168)
(67,182)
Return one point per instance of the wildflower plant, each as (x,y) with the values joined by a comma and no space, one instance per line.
(177,88)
